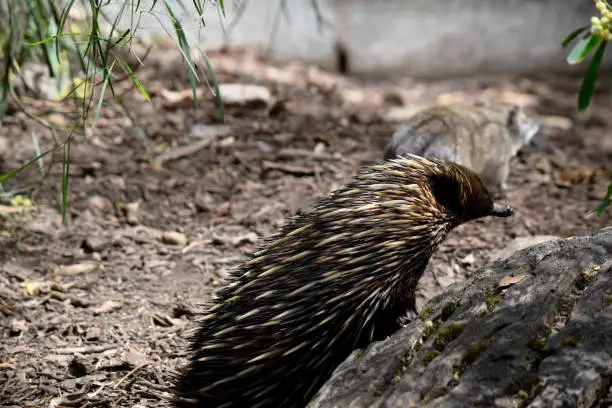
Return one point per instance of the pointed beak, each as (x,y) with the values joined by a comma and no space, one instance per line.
(501,210)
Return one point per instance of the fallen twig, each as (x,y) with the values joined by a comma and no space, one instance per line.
(134,370)
(288,168)
(86,349)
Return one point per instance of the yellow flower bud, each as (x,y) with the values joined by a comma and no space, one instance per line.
(600,5)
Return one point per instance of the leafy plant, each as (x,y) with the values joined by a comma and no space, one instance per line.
(593,38)
(83,50)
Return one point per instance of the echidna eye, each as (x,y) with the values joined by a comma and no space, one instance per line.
(447,193)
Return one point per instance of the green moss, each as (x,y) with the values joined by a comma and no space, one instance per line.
(522,269)
(430,328)
(492,299)
(446,335)
(417,347)
(425,313)
(430,356)
(607,302)
(397,374)
(539,386)
(358,355)
(468,358)
(448,310)
(583,280)
(570,341)
(404,360)
(473,352)
(522,394)
(537,344)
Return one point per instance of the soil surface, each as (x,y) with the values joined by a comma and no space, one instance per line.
(159,213)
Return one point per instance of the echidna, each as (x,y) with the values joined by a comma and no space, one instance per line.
(334,279)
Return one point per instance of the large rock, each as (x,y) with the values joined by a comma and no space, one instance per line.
(520,243)
(532,330)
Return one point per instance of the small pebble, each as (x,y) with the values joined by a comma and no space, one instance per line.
(95,244)
(18,326)
(242,94)
(134,357)
(98,205)
(131,213)
(174,238)
(108,306)
(75,269)
(469,259)
(93,333)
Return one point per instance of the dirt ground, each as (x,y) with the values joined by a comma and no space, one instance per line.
(95,315)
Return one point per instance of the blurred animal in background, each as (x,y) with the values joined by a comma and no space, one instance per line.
(481,136)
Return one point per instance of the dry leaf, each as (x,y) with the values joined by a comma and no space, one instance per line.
(510,280)
(175,99)
(8,209)
(32,288)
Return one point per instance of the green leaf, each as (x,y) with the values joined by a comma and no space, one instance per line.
(102,92)
(37,152)
(5,85)
(215,84)
(200,9)
(61,24)
(590,77)
(152,5)
(607,200)
(65,177)
(51,38)
(183,45)
(13,173)
(135,80)
(573,35)
(583,48)
(178,45)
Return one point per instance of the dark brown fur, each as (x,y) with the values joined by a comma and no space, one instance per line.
(334,279)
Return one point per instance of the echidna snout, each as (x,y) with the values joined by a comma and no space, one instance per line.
(333,279)
(502,210)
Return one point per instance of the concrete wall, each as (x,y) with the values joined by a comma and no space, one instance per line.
(415,37)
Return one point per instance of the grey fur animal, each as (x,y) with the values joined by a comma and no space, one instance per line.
(481,137)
